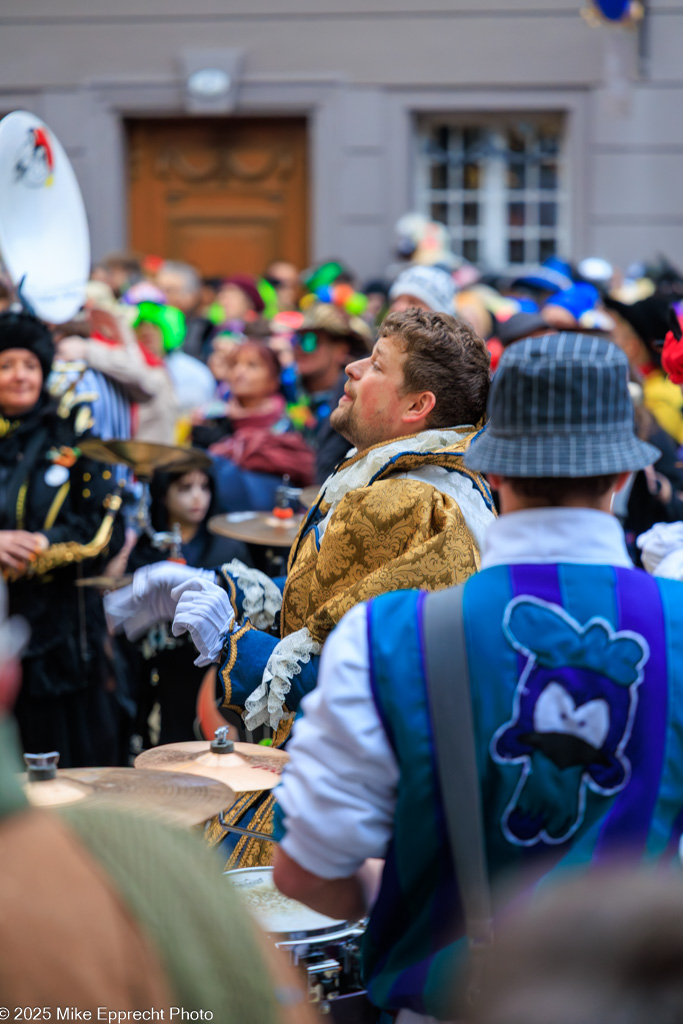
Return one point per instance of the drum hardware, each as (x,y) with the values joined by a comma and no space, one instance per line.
(249,832)
(221,742)
(324,979)
(295,497)
(285,495)
(178,799)
(41,767)
(328,977)
(326,951)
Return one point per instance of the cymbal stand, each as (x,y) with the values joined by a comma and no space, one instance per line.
(161,540)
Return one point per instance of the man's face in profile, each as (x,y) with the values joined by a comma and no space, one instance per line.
(370,410)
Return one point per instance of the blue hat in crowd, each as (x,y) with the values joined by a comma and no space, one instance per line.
(551,276)
(577,300)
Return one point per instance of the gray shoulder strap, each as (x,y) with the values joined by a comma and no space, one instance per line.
(448,687)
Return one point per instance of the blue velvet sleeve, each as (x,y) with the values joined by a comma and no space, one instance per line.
(303,683)
(245,656)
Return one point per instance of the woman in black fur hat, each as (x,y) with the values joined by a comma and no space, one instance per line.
(58,521)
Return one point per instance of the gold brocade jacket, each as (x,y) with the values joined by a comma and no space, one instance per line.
(389,533)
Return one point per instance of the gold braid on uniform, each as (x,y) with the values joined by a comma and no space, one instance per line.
(71,552)
(7,427)
(394,535)
(229,665)
(249,852)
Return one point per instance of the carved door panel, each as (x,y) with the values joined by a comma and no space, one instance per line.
(226,195)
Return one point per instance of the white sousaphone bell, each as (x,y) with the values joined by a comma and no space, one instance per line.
(44,240)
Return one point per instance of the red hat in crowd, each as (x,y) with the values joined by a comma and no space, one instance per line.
(248,286)
(672,353)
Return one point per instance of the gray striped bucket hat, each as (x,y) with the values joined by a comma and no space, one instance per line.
(559,406)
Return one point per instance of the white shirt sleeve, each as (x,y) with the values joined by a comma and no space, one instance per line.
(338,792)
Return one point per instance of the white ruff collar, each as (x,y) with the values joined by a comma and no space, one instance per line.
(362,472)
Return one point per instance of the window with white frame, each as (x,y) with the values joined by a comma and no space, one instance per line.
(498,183)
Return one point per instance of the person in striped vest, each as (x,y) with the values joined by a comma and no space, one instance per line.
(575,664)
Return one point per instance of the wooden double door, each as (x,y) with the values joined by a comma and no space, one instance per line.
(227,195)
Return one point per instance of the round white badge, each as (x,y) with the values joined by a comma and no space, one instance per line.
(56,476)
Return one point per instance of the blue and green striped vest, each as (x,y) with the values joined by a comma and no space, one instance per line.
(576,674)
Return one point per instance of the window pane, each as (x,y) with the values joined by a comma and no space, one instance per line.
(470,214)
(516,250)
(439,212)
(472,176)
(549,143)
(516,140)
(547,215)
(471,141)
(439,175)
(516,215)
(441,137)
(470,249)
(547,248)
(516,176)
(548,177)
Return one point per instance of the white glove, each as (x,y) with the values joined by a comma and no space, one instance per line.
(659,541)
(671,566)
(204,611)
(149,599)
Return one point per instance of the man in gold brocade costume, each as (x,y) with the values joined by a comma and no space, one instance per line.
(400,511)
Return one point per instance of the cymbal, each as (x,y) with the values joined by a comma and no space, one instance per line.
(143,457)
(250,769)
(105,582)
(175,798)
(308,496)
(257,528)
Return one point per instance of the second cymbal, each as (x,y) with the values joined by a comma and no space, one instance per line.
(177,799)
(248,769)
(144,457)
(257,528)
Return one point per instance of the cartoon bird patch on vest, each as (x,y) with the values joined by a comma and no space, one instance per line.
(573,712)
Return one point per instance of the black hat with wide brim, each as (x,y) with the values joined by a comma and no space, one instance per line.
(649,317)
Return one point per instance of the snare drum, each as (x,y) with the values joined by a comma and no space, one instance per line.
(327,951)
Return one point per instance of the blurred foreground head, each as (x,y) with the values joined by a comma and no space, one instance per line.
(606,948)
(13,638)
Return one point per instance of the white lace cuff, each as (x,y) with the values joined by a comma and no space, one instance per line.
(262,598)
(265,705)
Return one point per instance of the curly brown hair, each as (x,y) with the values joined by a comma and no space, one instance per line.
(445,356)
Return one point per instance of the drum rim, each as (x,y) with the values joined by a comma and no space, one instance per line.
(340,929)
